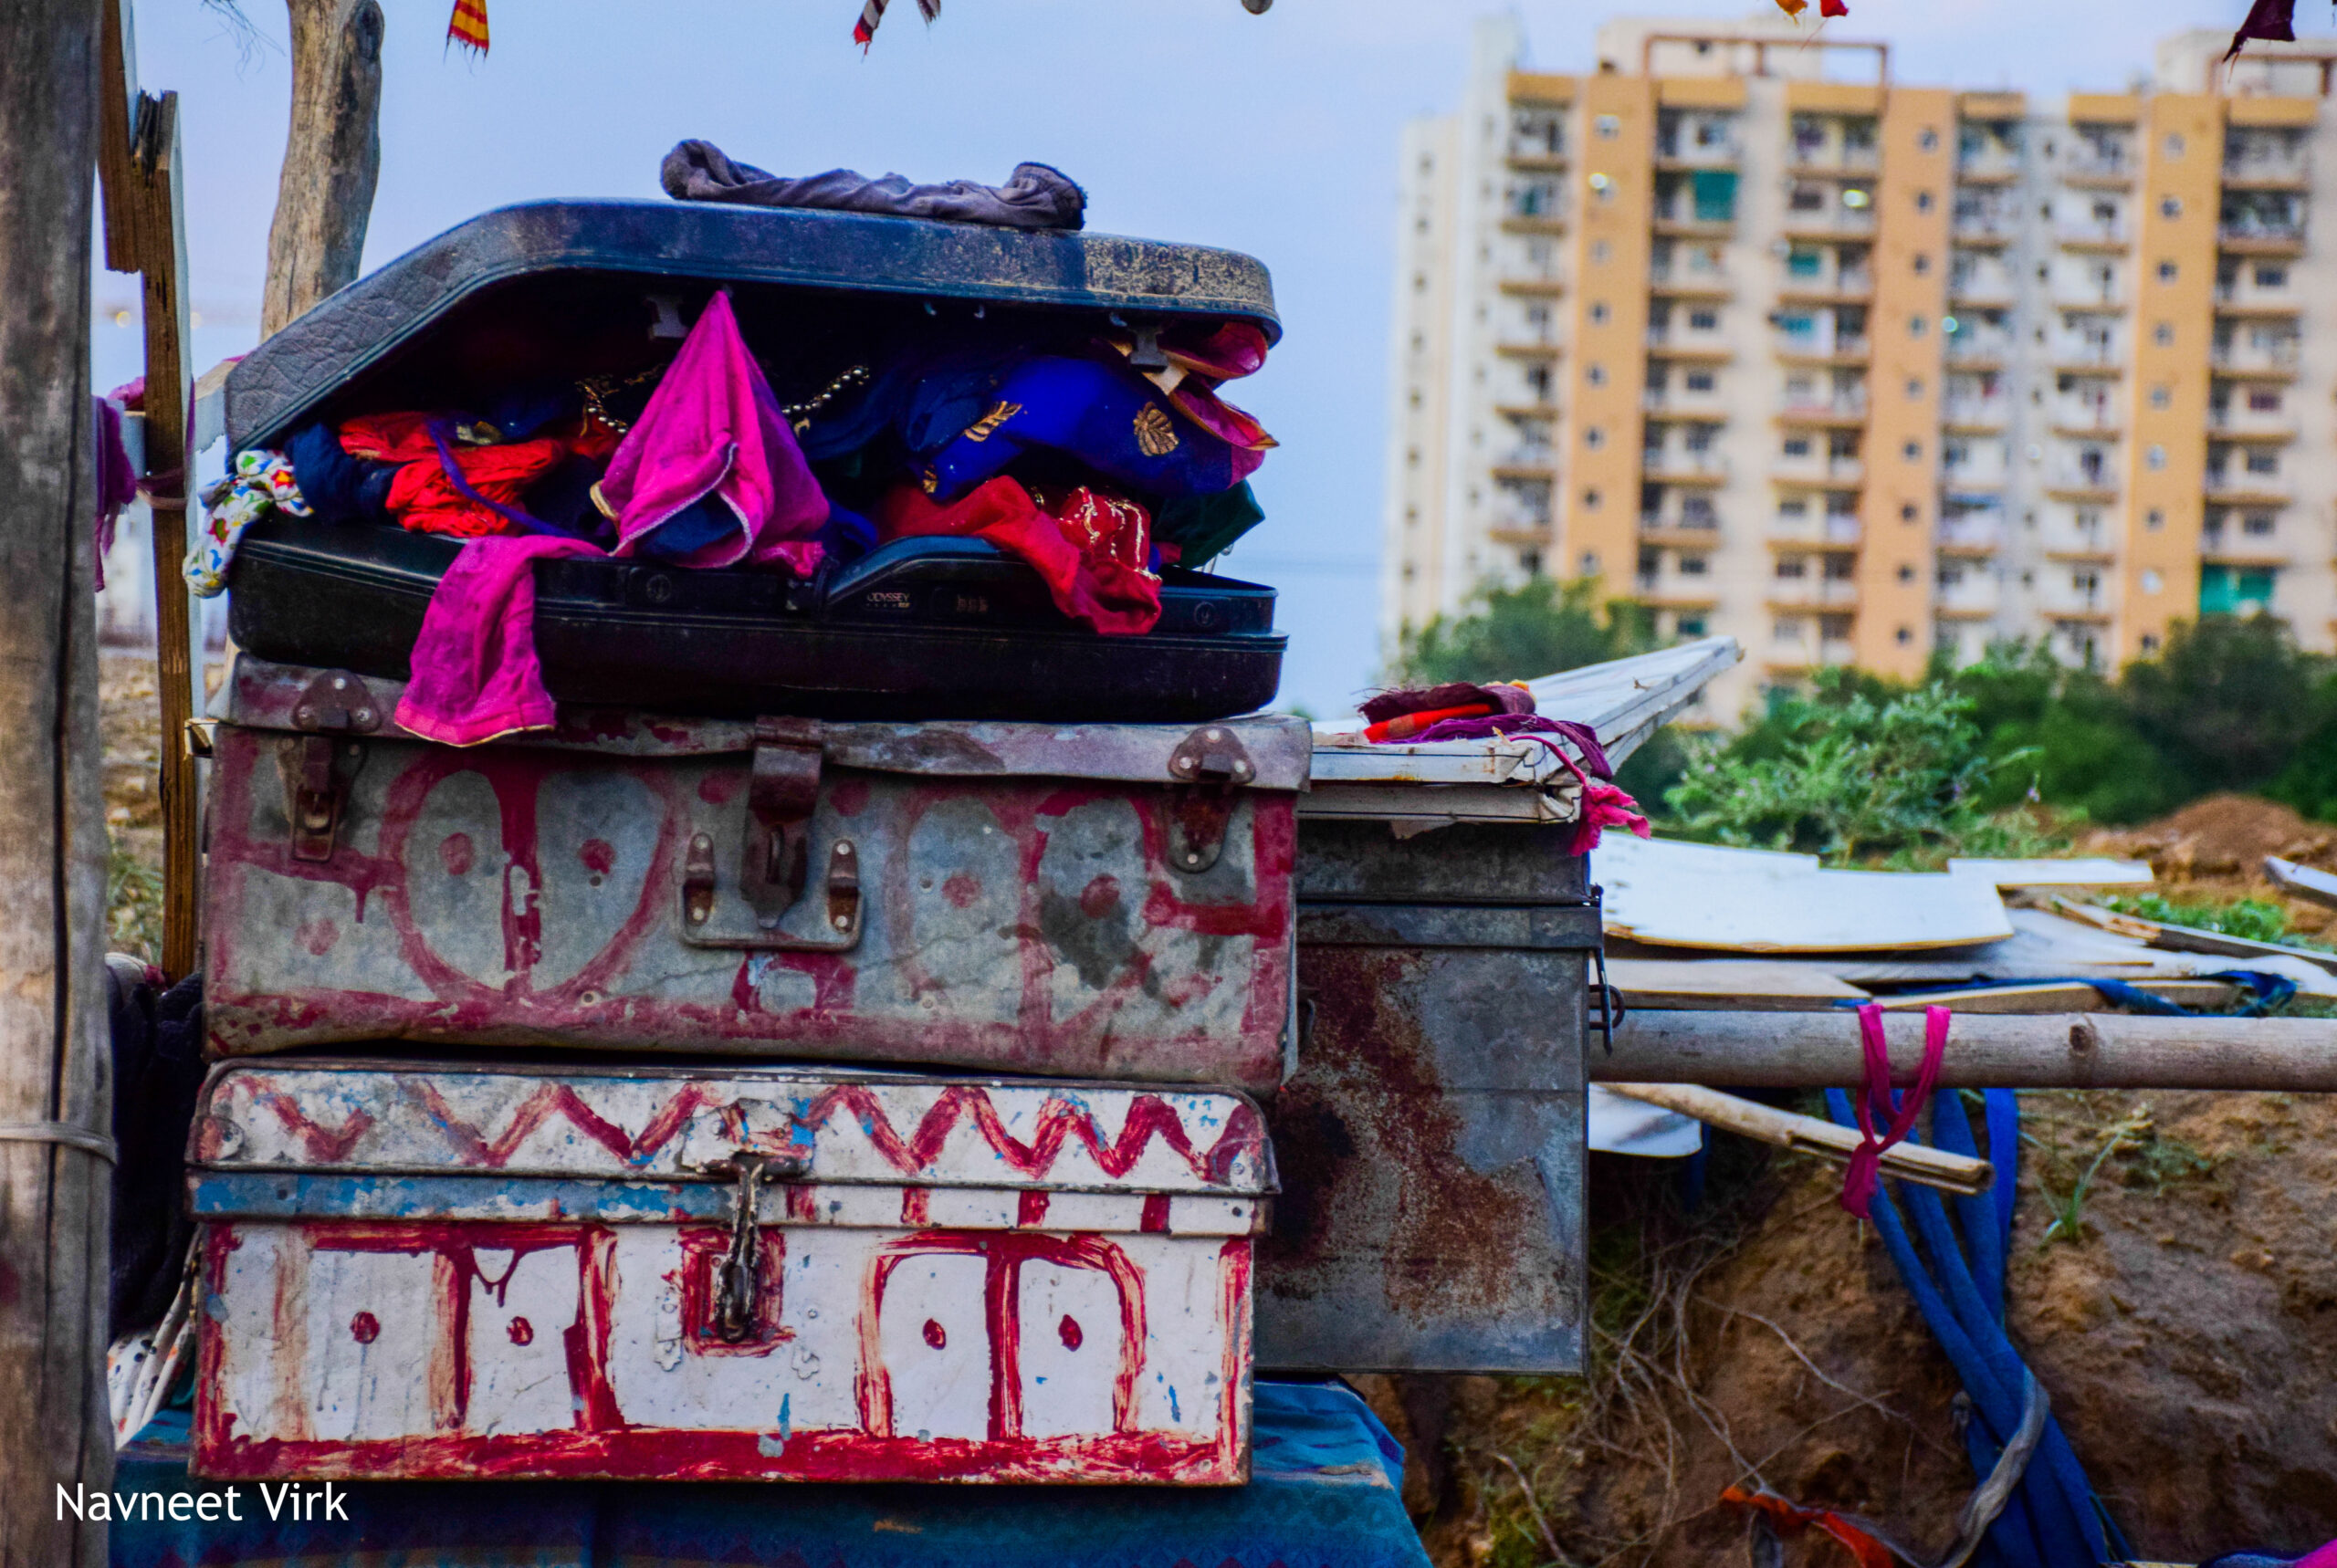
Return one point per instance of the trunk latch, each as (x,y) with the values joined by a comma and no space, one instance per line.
(775,856)
(330,708)
(1208,766)
(738,1278)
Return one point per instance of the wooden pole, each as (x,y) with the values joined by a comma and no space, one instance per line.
(55,1080)
(2065,1050)
(331,157)
(145,232)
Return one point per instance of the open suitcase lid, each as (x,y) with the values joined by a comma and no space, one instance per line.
(588,286)
(835,1126)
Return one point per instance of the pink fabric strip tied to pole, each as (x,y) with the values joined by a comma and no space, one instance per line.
(712,428)
(1875,1102)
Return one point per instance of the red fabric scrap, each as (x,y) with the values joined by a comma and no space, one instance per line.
(1792,1518)
(424,499)
(1094,586)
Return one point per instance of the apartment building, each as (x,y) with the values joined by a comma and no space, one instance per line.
(1854,370)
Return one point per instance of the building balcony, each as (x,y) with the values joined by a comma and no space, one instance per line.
(1836,349)
(1702,282)
(1818,470)
(1675,591)
(2238,421)
(1979,286)
(1981,471)
(2081,356)
(1984,227)
(1832,157)
(1830,223)
(1826,412)
(2063,539)
(1975,597)
(1975,413)
(1969,536)
(1518,343)
(2237,487)
(1686,152)
(2247,357)
(2090,297)
(1678,402)
(2078,483)
(1976,348)
(1667,527)
(1812,592)
(2266,169)
(2242,297)
(1682,344)
(1815,529)
(1991,163)
(2060,599)
(1674,466)
(2255,237)
(1525,463)
(2094,417)
(2089,235)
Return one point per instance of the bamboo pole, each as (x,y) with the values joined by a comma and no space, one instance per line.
(1749,1118)
(2065,1050)
(55,1079)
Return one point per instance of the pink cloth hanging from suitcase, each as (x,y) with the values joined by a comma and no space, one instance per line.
(475,674)
(711,428)
(714,428)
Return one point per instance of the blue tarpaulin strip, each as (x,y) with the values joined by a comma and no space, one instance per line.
(1325,1492)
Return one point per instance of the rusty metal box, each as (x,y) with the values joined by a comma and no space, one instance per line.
(1432,1136)
(1108,900)
(721,1274)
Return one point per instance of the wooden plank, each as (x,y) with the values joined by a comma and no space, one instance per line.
(2301,881)
(146,213)
(2090,872)
(2053,1050)
(1787,1130)
(54,1078)
(1670,893)
(1752,984)
(2190,938)
(2062,997)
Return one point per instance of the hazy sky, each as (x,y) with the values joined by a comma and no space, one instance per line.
(1186,120)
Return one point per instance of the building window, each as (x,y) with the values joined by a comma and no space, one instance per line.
(1923,201)
(2263,460)
(1530,562)
(1598,313)
(1906,635)
(1927,139)
(1912,452)
(2155,520)
(1914,390)
(2167,271)
(2152,582)
(1590,500)
(2161,396)
(2150,643)
(1915,325)
(2170,208)
(2263,400)
(1909,512)
(1787,628)
(2156,457)
(1796,446)
(1792,566)
(1691,625)
(2257,523)
(1594,438)
(2175,144)
(1906,573)
(2271,277)
(1703,320)
(2163,334)
(1600,252)
(1594,375)
(1694,565)
(1609,126)
(1700,380)
(1922,264)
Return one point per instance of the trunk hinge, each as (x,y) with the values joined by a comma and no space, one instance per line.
(1208,766)
(330,708)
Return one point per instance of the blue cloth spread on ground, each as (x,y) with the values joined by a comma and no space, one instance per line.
(1324,1492)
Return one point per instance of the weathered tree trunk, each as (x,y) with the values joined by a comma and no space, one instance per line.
(54,1088)
(331,156)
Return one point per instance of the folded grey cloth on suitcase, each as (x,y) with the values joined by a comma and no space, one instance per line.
(1035,197)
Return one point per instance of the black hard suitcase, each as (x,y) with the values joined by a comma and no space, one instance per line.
(919,629)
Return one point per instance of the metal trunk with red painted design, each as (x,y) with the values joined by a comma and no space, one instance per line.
(761,1273)
(1096,900)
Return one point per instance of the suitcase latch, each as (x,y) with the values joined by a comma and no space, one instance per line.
(775,857)
(736,1279)
(1208,766)
(331,707)
(782,793)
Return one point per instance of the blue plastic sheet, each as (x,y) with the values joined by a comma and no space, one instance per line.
(1325,1492)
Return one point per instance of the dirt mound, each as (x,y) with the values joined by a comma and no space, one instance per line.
(2221,836)
(2182,1326)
